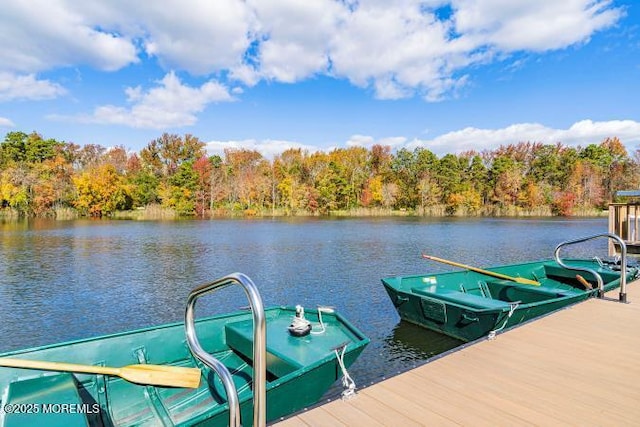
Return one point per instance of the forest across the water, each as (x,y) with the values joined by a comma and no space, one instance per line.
(174,176)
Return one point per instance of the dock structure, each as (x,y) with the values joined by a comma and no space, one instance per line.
(624,221)
(579,366)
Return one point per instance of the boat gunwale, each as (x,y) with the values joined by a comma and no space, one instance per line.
(238,313)
(401,287)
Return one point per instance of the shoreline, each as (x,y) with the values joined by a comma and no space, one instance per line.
(158,213)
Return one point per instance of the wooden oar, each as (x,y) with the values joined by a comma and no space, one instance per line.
(521,280)
(171,376)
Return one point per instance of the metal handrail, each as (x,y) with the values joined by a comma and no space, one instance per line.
(259,348)
(623,263)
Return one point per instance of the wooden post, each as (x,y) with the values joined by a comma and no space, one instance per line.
(612,227)
(625,230)
(635,213)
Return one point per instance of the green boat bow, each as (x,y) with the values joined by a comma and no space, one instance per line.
(475,303)
(298,370)
(468,305)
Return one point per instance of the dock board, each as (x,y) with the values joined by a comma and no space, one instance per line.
(579,366)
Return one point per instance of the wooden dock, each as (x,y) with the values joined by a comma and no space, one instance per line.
(579,366)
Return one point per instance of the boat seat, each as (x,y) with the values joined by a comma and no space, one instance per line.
(505,287)
(461,298)
(239,337)
(46,394)
(286,353)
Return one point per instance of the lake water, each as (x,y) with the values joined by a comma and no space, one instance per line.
(64,280)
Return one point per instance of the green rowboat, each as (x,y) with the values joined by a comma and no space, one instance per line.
(471,304)
(285,372)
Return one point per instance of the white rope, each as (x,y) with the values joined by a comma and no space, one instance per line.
(514,305)
(322,327)
(347,382)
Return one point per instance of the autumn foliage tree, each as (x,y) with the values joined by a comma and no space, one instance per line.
(100,191)
(39,176)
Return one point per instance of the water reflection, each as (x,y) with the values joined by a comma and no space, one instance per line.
(64,280)
(408,343)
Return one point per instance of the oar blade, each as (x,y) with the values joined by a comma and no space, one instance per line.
(168,376)
(162,375)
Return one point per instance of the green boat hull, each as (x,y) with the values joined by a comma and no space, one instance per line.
(469,305)
(299,371)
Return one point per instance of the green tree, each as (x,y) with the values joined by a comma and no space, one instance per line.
(14,148)
(332,188)
(449,173)
(546,165)
(180,190)
(144,188)
(477,175)
(429,191)
(404,176)
(38,150)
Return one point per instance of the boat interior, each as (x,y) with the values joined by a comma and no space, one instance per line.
(480,291)
(124,403)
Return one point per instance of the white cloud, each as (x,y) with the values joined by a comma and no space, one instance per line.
(6,123)
(587,132)
(532,25)
(401,49)
(171,104)
(198,36)
(360,141)
(41,34)
(245,74)
(13,87)
(582,133)
(294,36)
(398,49)
(369,141)
(269,148)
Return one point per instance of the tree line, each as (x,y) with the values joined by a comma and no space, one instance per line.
(45,177)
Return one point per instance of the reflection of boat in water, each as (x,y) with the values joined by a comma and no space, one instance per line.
(240,374)
(412,344)
(473,303)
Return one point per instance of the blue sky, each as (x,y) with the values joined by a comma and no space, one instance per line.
(319,74)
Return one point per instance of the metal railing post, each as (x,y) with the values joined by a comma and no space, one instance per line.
(259,348)
(623,263)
